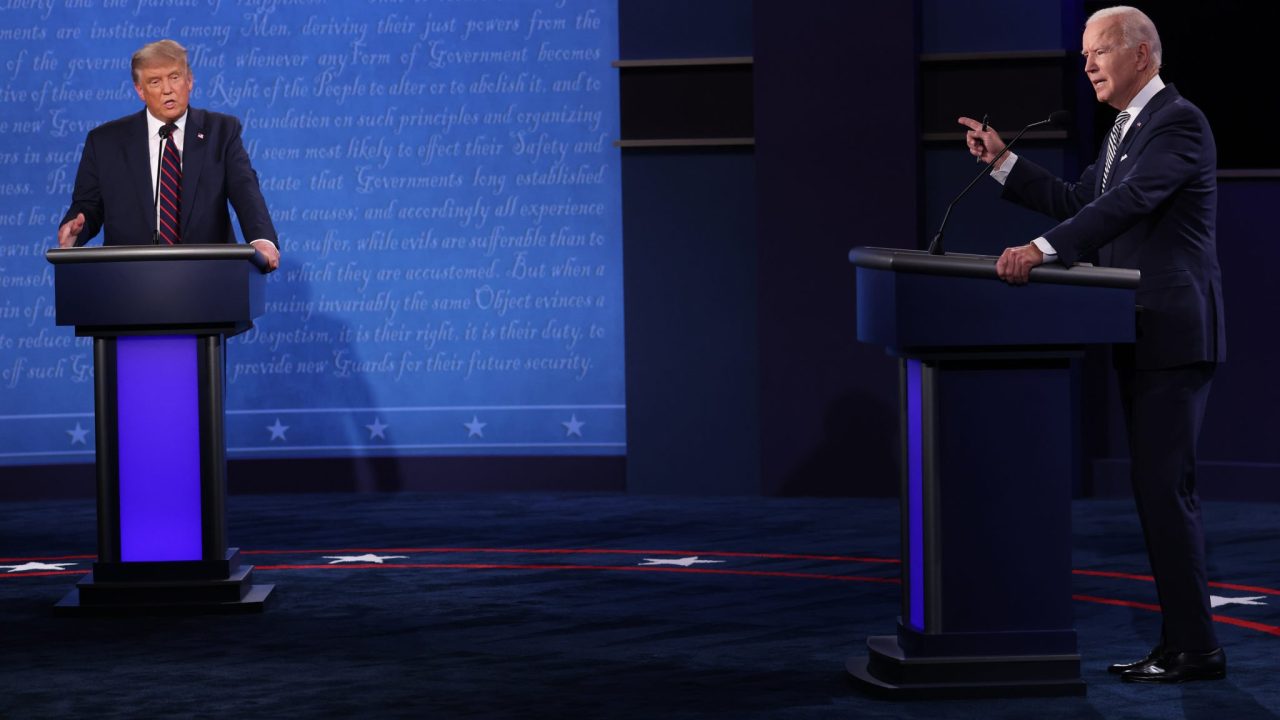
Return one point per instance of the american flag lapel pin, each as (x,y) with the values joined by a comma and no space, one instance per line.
(199,136)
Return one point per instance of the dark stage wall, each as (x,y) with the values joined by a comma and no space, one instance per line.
(856,143)
(1238,457)
(790,403)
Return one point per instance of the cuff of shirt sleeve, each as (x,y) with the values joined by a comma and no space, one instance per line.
(1001,172)
(1050,255)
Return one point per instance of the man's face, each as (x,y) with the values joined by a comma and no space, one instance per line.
(166,89)
(1115,71)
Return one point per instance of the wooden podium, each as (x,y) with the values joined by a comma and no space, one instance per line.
(987,399)
(159,318)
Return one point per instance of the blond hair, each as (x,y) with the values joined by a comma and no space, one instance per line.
(160,51)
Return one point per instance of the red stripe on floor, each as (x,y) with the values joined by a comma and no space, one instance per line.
(1249,624)
(1148,578)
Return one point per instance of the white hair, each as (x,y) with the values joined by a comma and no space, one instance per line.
(1135,28)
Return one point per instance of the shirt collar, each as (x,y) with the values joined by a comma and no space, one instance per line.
(154,125)
(1153,86)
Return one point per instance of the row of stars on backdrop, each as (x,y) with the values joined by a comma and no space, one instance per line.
(377,430)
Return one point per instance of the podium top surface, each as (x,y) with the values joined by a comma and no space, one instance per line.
(134,253)
(984,266)
(145,289)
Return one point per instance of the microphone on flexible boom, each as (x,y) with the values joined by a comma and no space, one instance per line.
(1059,117)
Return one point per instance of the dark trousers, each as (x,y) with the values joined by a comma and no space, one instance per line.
(1163,411)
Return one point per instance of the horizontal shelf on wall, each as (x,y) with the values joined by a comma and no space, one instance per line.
(684,142)
(1012,88)
(1003,56)
(683,62)
(1259,173)
(958,136)
(686,102)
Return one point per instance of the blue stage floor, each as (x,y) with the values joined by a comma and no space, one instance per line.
(577,606)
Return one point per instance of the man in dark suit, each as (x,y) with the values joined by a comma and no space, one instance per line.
(1148,203)
(123,182)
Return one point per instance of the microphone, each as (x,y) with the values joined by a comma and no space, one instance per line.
(1058,117)
(165,132)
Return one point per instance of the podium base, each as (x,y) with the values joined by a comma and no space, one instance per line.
(886,672)
(230,595)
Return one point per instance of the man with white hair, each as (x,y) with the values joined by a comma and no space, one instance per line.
(1148,203)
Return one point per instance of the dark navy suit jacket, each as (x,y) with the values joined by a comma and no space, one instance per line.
(114,189)
(1157,216)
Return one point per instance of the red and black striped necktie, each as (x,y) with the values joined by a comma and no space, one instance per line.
(170,189)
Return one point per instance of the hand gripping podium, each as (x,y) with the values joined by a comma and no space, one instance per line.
(987,397)
(159,318)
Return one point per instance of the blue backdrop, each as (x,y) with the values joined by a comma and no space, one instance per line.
(448,201)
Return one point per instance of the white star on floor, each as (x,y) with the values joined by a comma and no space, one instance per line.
(377,428)
(32,566)
(335,559)
(1217,601)
(475,428)
(573,427)
(78,435)
(277,431)
(682,562)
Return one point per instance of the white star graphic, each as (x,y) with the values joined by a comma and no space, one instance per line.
(277,431)
(335,559)
(1217,601)
(377,428)
(78,435)
(475,428)
(573,426)
(682,562)
(31,566)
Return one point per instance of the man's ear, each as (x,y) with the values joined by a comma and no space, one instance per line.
(1144,56)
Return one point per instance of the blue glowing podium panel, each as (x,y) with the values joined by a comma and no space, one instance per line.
(159,318)
(158,433)
(988,393)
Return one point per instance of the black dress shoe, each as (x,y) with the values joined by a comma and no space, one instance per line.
(1180,667)
(1151,657)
